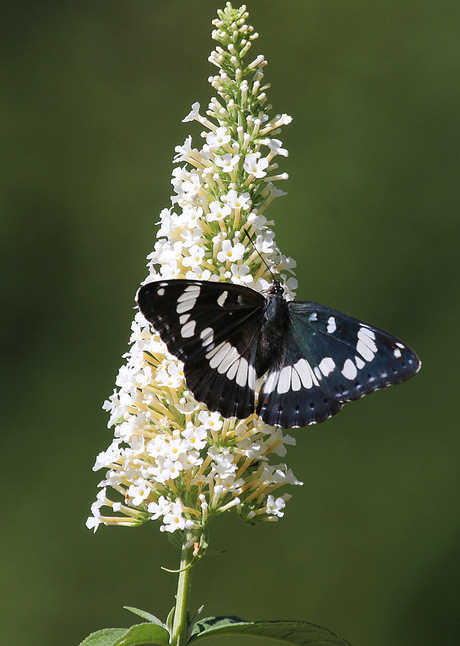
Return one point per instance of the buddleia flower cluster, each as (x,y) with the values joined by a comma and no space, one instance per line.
(171,460)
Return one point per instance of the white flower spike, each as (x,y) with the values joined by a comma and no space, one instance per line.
(171,459)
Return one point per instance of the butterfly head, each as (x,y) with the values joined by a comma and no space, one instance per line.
(276,287)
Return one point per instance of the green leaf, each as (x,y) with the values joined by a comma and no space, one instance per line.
(145,615)
(144,634)
(290,632)
(105,637)
(140,634)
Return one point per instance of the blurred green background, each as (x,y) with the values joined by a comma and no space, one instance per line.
(93,96)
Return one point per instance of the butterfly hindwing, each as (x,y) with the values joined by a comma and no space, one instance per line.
(328,359)
(213,328)
(350,358)
(291,395)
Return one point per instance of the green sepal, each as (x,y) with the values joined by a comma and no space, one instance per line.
(191,623)
(170,619)
(146,615)
(290,632)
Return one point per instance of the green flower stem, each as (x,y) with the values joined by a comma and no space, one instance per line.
(180,623)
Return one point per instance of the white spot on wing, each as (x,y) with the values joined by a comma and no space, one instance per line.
(207,335)
(184,318)
(327,365)
(284,383)
(331,325)
(218,354)
(161,291)
(222,357)
(242,374)
(231,372)
(222,298)
(296,383)
(192,291)
(187,299)
(231,356)
(213,351)
(365,351)
(359,362)
(271,382)
(188,329)
(366,331)
(366,344)
(397,352)
(349,370)
(307,377)
(252,377)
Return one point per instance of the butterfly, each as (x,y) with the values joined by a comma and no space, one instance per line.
(315,358)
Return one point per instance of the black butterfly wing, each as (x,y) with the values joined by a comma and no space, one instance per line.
(325,360)
(351,358)
(329,359)
(213,328)
(225,378)
(291,395)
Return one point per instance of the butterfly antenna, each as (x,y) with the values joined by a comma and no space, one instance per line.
(260,255)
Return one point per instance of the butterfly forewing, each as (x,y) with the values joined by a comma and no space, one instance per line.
(193,316)
(213,328)
(350,358)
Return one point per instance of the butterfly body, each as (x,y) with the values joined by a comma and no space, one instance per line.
(273,329)
(315,358)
